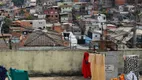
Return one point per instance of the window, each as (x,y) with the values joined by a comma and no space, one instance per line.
(31,23)
(104,18)
(56,15)
(96,36)
(40,22)
(47,16)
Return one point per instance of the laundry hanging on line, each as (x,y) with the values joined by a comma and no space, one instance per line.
(93,65)
(86,66)
(97,63)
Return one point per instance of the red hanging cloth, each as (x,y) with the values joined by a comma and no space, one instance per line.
(86,66)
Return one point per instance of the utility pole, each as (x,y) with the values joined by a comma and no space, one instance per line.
(135,26)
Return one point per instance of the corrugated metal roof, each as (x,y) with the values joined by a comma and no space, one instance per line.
(127,38)
(126,29)
(120,32)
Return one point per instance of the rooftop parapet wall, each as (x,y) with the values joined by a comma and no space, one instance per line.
(47,63)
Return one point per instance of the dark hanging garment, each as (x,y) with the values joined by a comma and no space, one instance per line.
(2,73)
(86,66)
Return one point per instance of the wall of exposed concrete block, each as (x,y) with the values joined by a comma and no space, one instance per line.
(52,62)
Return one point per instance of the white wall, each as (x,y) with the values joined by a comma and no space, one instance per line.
(64,19)
(41,16)
(33,3)
(39,23)
(102,18)
(32,11)
(66,9)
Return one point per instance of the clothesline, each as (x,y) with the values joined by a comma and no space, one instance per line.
(93,66)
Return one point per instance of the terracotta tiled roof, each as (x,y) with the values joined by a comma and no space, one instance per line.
(22,24)
(40,38)
(26,24)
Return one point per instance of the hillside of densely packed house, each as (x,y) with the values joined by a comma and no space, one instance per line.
(75,24)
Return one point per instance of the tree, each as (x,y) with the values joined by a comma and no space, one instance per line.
(8,21)
(80,23)
(1,4)
(6,25)
(30,17)
(22,12)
